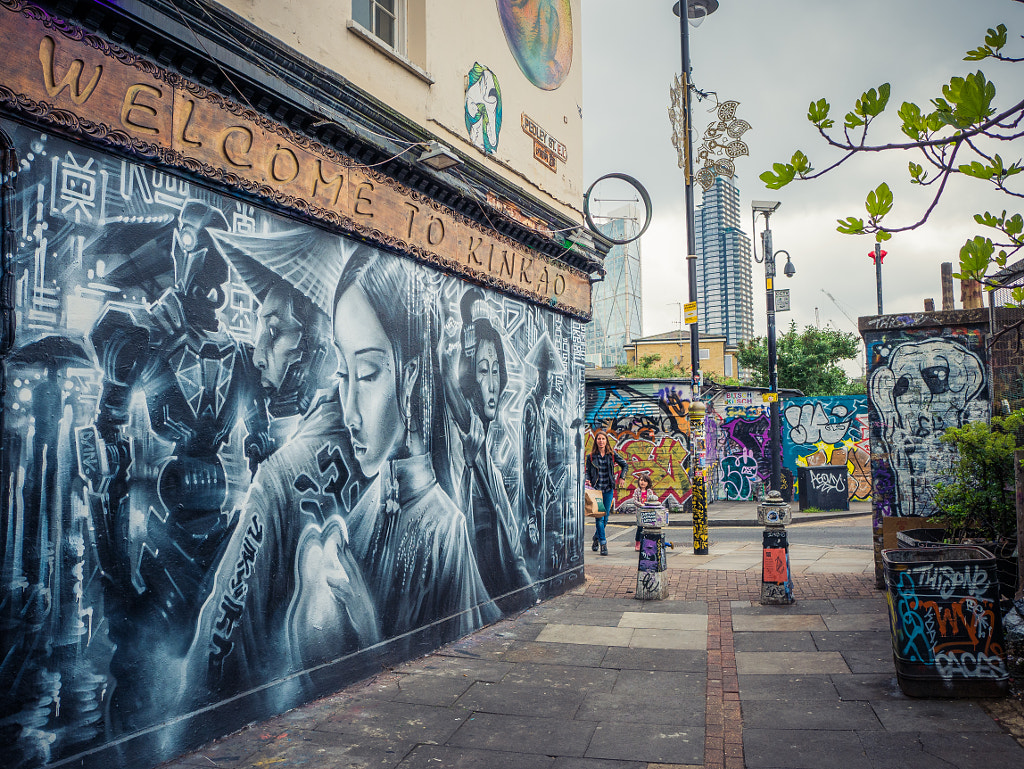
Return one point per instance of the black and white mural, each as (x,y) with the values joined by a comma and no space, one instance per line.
(246,460)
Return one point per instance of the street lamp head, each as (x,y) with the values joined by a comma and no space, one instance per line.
(696,10)
(765,206)
(789,270)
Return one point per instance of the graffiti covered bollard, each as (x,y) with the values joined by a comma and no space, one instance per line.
(776,580)
(650,582)
(946,623)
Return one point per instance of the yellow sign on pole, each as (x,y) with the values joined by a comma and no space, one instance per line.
(690,311)
(770,397)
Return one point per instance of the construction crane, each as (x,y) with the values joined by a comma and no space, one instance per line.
(835,301)
(844,312)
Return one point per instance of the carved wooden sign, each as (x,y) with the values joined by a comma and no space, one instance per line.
(59,74)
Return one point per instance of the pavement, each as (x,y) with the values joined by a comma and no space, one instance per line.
(596,679)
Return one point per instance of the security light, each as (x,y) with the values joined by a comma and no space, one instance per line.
(439,157)
(765,206)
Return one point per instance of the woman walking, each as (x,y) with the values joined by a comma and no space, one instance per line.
(602,475)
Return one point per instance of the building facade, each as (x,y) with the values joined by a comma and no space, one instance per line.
(617,303)
(724,284)
(292,352)
(717,356)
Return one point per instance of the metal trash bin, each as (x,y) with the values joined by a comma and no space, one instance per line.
(653,561)
(945,621)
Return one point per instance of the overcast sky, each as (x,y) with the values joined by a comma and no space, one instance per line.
(774,57)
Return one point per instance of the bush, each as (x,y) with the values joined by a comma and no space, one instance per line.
(979,502)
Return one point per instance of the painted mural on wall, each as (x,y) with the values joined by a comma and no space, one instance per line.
(921,381)
(239,453)
(483,108)
(539,35)
(651,432)
(822,431)
(738,449)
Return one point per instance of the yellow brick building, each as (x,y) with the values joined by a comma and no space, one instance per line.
(716,358)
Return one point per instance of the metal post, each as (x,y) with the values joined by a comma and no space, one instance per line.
(776,577)
(775,444)
(698,497)
(878,275)
(698,492)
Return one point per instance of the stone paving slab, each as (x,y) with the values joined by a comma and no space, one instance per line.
(556,653)
(517,698)
(869,660)
(920,715)
(931,749)
(782,641)
(868,686)
(636,619)
(802,606)
(588,635)
(435,756)
(803,749)
(790,663)
(792,713)
(684,660)
(656,743)
(572,677)
(783,623)
(784,688)
(647,638)
(366,718)
(524,734)
(855,639)
(855,622)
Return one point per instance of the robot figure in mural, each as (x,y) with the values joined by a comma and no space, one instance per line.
(288,593)
(924,388)
(475,374)
(542,467)
(161,518)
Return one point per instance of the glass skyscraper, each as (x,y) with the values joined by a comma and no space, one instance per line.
(724,283)
(617,309)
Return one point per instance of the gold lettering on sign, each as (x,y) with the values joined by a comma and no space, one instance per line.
(190,109)
(72,79)
(435,234)
(360,198)
(413,210)
(524,265)
(131,105)
(508,264)
(544,282)
(229,153)
(279,150)
(320,179)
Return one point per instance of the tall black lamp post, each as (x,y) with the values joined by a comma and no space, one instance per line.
(696,10)
(766,208)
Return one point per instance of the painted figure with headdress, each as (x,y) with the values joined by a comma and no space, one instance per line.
(289,593)
(475,374)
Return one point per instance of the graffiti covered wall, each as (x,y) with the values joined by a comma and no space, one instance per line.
(647,425)
(921,380)
(246,461)
(738,446)
(833,431)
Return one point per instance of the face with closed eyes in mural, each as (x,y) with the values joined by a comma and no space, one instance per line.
(488,379)
(368,381)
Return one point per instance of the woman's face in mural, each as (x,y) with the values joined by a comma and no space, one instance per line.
(277,338)
(367,382)
(488,378)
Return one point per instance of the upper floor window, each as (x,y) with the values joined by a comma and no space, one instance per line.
(384,18)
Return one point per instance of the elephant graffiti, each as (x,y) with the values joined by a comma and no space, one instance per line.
(922,389)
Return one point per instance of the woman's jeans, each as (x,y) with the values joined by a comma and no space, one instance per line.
(608,497)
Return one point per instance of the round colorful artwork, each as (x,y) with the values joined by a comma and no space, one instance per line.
(539,34)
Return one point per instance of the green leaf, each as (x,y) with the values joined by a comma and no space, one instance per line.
(852,121)
(913,122)
(975,257)
(783,175)
(996,38)
(801,164)
(850,226)
(917,173)
(817,113)
(1015,225)
(881,236)
(967,102)
(879,201)
(977,170)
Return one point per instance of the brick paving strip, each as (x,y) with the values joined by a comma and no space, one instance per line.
(723,735)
